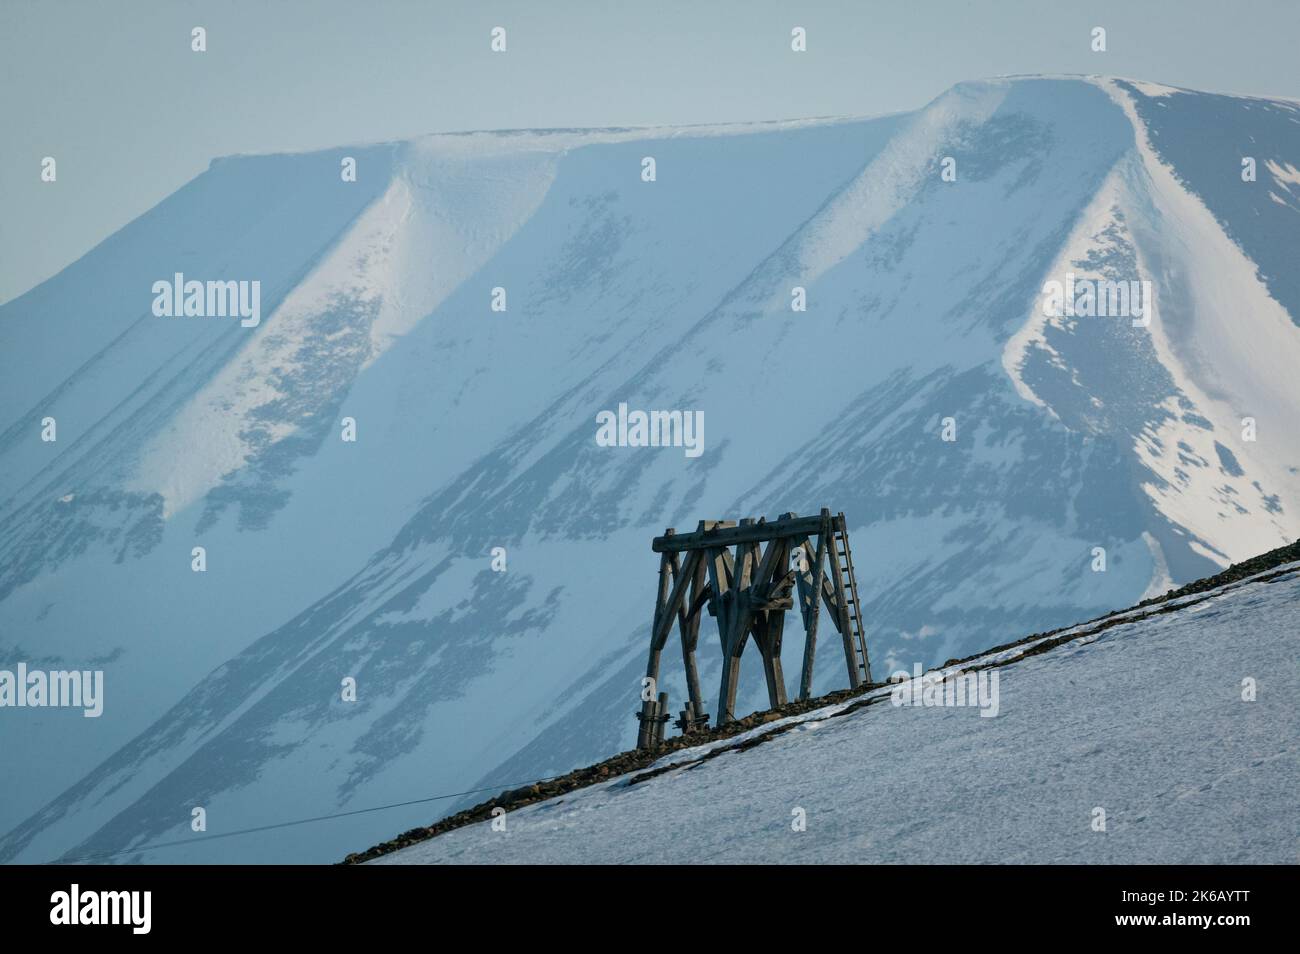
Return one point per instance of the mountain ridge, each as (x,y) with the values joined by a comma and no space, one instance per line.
(476,431)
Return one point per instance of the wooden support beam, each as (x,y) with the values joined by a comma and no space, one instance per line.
(690,627)
(813,605)
(733,643)
(699,597)
(768,609)
(723,536)
(721,572)
(828,590)
(767,637)
(727,690)
(662,621)
(774,560)
(781,586)
(666,612)
(745,559)
(732,580)
(776,675)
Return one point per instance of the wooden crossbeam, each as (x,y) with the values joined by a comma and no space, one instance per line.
(828,589)
(699,597)
(666,613)
(730,536)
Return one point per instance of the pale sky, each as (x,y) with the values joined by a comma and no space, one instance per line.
(114,93)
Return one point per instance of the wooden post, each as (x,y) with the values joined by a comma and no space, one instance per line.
(768,624)
(775,626)
(776,675)
(727,689)
(661,718)
(645,733)
(810,622)
(737,624)
(690,627)
(771,664)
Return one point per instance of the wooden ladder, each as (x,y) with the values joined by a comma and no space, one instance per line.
(847,584)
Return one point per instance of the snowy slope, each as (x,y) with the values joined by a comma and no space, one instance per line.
(476,430)
(1145,720)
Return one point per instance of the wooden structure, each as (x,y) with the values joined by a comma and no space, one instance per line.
(748,589)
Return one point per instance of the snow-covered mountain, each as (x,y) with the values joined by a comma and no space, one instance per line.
(476,429)
(1165,735)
